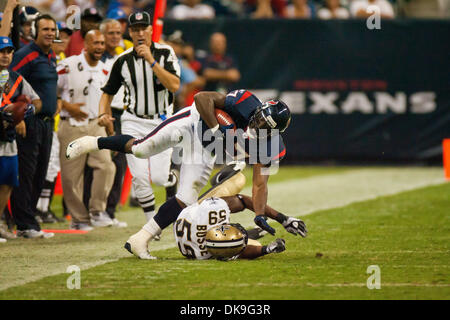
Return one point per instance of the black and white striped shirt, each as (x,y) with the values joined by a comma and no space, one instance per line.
(145,95)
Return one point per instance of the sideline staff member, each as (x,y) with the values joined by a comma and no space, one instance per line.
(12,86)
(151,75)
(80,80)
(36,62)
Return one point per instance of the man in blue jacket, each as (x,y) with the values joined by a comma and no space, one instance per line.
(36,62)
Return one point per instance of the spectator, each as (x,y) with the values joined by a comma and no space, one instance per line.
(7,16)
(36,62)
(128,6)
(300,9)
(333,10)
(80,81)
(228,8)
(27,15)
(189,80)
(358,8)
(64,36)
(219,69)
(192,9)
(190,56)
(90,19)
(266,9)
(114,42)
(58,8)
(119,15)
(263,10)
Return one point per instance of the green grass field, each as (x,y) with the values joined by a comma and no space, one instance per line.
(395,218)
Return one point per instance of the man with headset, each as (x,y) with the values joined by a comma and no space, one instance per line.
(36,62)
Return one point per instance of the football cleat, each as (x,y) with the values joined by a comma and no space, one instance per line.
(227,172)
(81,146)
(138,245)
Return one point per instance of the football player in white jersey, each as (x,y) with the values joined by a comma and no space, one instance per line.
(193,227)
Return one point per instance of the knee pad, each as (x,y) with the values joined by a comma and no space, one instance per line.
(227,172)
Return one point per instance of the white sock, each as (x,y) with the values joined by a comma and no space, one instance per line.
(149,215)
(152,228)
(41,205)
(144,235)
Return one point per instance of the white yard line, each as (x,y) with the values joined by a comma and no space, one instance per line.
(309,284)
(294,197)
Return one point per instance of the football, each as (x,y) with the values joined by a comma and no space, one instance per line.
(18,108)
(223,118)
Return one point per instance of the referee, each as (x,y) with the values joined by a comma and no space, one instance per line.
(151,75)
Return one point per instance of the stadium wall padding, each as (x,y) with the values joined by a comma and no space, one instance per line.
(356,93)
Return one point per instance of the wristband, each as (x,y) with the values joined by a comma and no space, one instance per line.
(101,115)
(213,130)
(281,218)
(242,200)
(153,64)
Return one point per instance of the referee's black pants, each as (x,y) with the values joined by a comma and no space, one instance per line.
(34,155)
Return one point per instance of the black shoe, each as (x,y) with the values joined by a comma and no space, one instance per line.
(45,217)
(134,202)
(53,215)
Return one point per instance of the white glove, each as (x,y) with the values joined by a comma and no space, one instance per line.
(295,226)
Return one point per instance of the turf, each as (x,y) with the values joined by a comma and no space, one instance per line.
(407,235)
(26,260)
